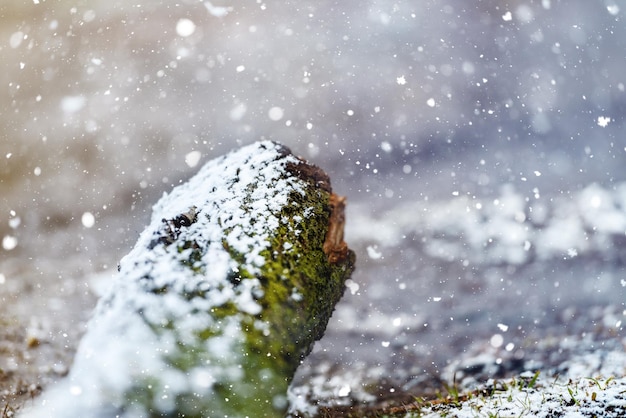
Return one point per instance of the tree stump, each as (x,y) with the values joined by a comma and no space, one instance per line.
(221,298)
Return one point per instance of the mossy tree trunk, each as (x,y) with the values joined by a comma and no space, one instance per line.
(223,295)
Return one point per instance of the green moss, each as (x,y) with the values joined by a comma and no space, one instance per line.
(300,290)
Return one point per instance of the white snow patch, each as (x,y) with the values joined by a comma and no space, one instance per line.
(587,384)
(276,113)
(298,401)
(613,9)
(185,27)
(352,286)
(509,229)
(603,121)
(88,220)
(15,40)
(15,221)
(546,396)
(72,104)
(9,242)
(496,340)
(193,158)
(217,11)
(373,253)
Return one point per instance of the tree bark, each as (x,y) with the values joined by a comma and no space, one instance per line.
(223,295)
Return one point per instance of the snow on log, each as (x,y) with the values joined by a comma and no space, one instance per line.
(223,295)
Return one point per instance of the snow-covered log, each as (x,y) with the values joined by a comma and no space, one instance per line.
(222,296)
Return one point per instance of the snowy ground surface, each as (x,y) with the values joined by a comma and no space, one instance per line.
(577,392)
(480,145)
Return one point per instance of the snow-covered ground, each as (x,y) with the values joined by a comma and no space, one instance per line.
(481,289)
(579,392)
(479,144)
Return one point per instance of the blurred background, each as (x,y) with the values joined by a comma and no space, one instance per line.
(480,145)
